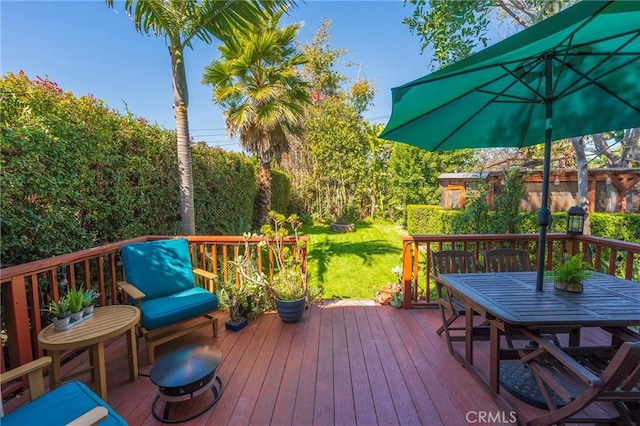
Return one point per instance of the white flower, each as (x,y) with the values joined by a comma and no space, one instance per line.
(397,270)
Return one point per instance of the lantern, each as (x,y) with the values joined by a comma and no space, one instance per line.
(575,220)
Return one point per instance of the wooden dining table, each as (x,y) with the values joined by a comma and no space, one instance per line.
(508,301)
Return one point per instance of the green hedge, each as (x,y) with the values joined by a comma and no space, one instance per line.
(280,191)
(225,187)
(424,219)
(617,226)
(76,174)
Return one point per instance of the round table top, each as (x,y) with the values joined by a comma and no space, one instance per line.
(106,322)
(186,365)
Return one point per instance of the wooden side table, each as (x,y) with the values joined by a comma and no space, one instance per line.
(107,322)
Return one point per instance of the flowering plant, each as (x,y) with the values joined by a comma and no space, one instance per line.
(391,293)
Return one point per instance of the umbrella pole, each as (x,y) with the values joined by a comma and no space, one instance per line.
(544,215)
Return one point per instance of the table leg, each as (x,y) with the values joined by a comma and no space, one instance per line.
(55,377)
(97,351)
(468,335)
(574,337)
(494,357)
(132,347)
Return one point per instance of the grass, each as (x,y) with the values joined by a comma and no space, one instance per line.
(353,265)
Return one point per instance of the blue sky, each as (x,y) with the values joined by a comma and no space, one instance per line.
(88,48)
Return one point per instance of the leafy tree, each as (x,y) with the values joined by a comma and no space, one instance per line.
(258,83)
(381,200)
(180,22)
(337,142)
(475,218)
(415,172)
(455,28)
(321,71)
(506,203)
(329,162)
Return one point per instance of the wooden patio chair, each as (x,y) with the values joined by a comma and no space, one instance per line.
(451,308)
(159,280)
(581,376)
(73,403)
(507,260)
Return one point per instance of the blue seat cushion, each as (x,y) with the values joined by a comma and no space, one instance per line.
(61,406)
(158,268)
(180,306)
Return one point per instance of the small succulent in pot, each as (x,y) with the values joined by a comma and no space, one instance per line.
(75,297)
(59,309)
(89,298)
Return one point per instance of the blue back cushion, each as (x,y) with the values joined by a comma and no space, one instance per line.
(158,268)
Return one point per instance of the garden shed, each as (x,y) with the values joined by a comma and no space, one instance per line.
(610,190)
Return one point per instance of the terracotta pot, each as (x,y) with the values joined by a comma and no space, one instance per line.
(385,294)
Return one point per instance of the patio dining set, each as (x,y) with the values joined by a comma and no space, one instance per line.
(502,305)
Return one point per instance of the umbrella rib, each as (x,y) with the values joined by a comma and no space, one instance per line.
(462,95)
(533,90)
(606,57)
(471,117)
(585,23)
(595,82)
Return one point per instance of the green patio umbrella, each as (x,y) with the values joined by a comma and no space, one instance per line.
(575,73)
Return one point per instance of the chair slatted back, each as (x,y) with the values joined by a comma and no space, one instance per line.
(453,262)
(609,375)
(507,260)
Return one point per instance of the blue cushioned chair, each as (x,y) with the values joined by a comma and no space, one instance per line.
(71,404)
(159,279)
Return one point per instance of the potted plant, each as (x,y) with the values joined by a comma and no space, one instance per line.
(61,315)
(569,272)
(289,282)
(391,293)
(74,298)
(245,292)
(89,299)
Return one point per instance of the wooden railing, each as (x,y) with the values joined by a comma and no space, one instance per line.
(28,288)
(610,256)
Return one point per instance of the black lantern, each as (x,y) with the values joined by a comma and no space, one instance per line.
(575,220)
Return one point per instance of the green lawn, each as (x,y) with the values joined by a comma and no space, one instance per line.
(355,264)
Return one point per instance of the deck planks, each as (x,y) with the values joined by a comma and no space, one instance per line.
(357,364)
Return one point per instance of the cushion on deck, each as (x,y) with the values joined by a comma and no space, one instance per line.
(158,268)
(177,307)
(61,406)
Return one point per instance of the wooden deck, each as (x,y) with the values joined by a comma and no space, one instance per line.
(344,364)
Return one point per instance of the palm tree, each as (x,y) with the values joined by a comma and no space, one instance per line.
(258,83)
(180,22)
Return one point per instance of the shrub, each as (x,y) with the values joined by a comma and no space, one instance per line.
(280,191)
(76,174)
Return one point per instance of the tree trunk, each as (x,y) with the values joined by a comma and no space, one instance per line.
(263,197)
(180,104)
(583,180)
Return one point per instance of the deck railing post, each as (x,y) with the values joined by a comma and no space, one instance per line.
(14,300)
(407,274)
